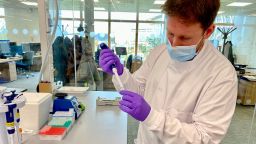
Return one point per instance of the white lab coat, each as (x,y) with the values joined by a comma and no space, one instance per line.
(191,102)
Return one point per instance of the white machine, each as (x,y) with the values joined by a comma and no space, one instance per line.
(10,103)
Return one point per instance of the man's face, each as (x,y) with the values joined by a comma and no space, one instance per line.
(183,34)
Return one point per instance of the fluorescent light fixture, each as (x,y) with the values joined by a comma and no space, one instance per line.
(239,4)
(99,8)
(94,0)
(155,10)
(30,3)
(160,2)
(252,14)
(221,12)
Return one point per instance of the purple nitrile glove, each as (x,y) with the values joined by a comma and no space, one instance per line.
(135,105)
(108,59)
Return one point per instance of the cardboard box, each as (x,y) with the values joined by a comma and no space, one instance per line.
(45,87)
(247,92)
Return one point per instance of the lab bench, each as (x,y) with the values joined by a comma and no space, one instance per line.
(97,124)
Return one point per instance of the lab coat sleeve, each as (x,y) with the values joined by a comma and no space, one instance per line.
(210,119)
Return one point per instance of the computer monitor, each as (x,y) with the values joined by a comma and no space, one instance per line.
(35,47)
(25,47)
(121,51)
(12,44)
(16,50)
(4,47)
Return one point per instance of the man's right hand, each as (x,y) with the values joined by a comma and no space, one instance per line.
(108,59)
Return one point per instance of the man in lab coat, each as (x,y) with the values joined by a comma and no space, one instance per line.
(185,92)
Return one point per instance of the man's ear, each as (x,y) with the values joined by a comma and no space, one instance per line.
(209,31)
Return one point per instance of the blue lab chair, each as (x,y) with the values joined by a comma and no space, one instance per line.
(25,64)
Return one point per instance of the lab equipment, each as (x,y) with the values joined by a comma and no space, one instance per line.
(38,104)
(121,51)
(58,126)
(52,133)
(100,101)
(114,68)
(75,91)
(64,103)
(9,117)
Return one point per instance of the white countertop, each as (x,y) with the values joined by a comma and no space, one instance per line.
(97,125)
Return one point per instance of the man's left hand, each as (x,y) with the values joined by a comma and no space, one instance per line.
(135,105)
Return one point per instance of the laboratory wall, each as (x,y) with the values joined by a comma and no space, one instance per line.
(22,24)
(244,40)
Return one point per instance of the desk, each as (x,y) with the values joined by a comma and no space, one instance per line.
(37,56)
(8,68)
(97,125)
(13,59)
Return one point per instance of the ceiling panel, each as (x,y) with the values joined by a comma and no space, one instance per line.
(130,5)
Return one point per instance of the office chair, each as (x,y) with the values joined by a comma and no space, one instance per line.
(26,63)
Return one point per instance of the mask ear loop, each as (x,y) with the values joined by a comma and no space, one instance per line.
(200,45)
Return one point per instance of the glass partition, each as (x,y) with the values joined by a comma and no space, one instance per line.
(20,49)
(73,48)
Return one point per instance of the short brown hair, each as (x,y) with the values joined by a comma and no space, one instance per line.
(202,11)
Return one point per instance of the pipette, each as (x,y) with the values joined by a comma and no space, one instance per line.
(114,70)
(10,116)
(17,117)
(1,99)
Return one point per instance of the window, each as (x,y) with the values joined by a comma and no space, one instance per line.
(151,16)
(150,36)
(123,35)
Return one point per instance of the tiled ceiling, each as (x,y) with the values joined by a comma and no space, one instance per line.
(130,5)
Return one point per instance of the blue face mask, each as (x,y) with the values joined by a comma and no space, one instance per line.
(181,53)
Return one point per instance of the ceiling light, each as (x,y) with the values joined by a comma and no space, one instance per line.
(159,2)
(94,0)
(239,4)
(252,14)
(221,12)
(155,10)
(30,3)
(99,8)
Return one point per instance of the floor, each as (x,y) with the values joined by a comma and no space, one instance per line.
(22,81)
(238,132)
